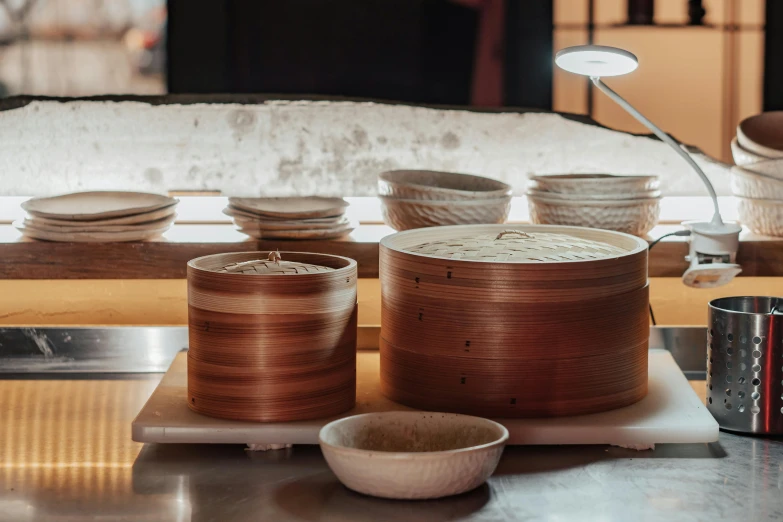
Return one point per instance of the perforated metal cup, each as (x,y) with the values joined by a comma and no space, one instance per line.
(745,364)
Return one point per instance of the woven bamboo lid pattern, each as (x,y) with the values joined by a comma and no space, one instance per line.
(274,265)
(514,246)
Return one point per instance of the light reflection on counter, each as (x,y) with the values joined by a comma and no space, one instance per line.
(66,444)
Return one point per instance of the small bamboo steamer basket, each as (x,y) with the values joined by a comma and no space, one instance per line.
(271,339)
(541,321)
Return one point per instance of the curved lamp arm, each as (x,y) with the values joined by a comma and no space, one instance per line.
(665,138)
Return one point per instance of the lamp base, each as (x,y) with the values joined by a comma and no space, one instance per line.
(712,254)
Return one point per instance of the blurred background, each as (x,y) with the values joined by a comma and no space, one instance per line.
(704,65)
(82,47)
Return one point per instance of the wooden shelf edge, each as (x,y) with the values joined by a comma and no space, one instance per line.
(152,260)
(759,257)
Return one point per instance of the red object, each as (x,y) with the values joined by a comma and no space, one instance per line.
(488,68)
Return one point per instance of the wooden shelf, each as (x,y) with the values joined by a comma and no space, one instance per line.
(167,258)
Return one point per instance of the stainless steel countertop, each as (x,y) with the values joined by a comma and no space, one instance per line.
(66,454)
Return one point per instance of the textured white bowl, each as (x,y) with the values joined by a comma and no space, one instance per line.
(89,237)
(406,214)
(431,185)
(298,234)
(602,184)
(762,216)
(650,194)
(749,184)
(637,216)
(771,168)
(412,454)
(762,134)
(744,157)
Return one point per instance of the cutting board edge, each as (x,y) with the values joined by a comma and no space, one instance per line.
(697,430)
(157,435)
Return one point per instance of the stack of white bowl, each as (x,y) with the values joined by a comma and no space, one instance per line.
(757,180)
(426,198)
(290,218)
(629,204)
(89,217)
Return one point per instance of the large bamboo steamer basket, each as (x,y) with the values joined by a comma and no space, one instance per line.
(514,387)
(272,340)
(552,321)
(518,329)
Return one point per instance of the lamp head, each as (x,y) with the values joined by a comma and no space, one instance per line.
(596,60)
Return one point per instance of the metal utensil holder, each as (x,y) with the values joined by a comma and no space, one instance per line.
(745,364)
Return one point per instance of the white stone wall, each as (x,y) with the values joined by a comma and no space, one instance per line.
(328,148)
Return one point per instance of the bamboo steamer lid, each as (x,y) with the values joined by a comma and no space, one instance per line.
(536,321)
(272,335)
(272,265)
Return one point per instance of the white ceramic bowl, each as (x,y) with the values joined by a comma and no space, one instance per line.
(405,214)
(412,454)
(749,184)
(762,216)
(430,185)
(636,216)
(602,184)
(771,168)
(744,157)
(762,134)
(596,197)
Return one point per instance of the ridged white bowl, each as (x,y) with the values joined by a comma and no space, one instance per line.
(744,157)
(599,184)
(635,217)
(749,184)
(762,216)
(412,454)
(406,214)
(771,168)
(762,134)
(430,185)
(650,194)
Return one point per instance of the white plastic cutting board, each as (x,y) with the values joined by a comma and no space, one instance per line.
(671,413)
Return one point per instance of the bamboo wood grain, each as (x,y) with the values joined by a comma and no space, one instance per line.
(536,338)
(533,330)
(272,347)
(514,387)
(509,286)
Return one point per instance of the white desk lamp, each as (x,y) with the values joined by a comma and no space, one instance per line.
(714,244)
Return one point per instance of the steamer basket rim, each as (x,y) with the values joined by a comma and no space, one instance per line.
(462,230)
(351,263)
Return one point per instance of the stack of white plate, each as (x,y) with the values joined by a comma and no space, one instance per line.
(290,218)
(426,198)
(757,180)
(89,217)
(629,204)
